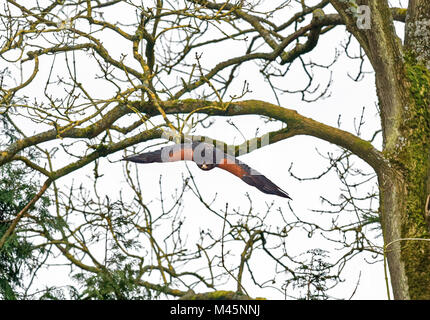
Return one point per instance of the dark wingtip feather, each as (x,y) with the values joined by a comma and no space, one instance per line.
(282,193)
(148,157)
(265,185)
(134,158)
(274,189)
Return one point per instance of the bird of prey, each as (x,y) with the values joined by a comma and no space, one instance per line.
(207,157)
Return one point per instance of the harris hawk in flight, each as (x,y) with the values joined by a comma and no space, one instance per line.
(207,157)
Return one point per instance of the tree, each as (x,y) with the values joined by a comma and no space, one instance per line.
(20,260)
(152,79)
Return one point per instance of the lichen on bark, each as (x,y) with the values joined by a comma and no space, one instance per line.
(413,161)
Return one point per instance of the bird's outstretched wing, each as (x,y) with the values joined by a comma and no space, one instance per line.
(251,176)
(208,157)
(175,152)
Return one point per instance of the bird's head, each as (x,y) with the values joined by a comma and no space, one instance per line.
(206,166)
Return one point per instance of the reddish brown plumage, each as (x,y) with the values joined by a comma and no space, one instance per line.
(233,168)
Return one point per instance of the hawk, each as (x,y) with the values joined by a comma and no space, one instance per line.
(207,157)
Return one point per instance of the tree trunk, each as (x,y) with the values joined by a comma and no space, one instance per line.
(404,96)
(408,259)
(403,88)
